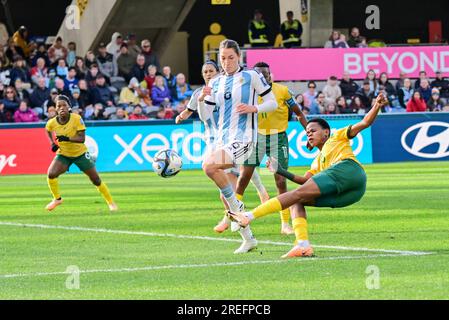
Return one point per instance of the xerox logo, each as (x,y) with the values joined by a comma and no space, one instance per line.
(427,140)
(298,142)
(7,161)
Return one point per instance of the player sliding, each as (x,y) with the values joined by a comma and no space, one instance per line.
(71,134)
(209,71)
(233,96)
(273,140)
(336,179)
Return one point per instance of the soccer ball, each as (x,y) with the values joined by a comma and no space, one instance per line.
(167,163)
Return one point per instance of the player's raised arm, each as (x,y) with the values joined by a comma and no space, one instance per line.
(369,117)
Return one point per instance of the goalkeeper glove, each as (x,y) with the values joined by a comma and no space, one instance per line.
(54,147)
(63,138)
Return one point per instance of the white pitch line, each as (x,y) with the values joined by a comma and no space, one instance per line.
(192,266)
(180,236)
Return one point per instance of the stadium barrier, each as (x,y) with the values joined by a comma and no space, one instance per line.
(285,63)
(131,145)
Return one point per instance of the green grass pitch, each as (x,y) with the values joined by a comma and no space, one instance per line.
(157,245)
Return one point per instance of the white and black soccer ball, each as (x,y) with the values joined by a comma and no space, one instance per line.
(167,163)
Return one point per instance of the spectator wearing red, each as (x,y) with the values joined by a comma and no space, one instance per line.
(417,103)
(138,114)
(39,71)
(25,114)
(57,51)
(151,77)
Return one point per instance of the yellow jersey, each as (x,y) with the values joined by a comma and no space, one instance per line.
(277,121)
(70,129)
(337,148)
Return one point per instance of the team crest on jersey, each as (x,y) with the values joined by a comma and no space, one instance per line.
(227,95)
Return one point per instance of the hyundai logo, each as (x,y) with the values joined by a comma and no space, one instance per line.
(423,140)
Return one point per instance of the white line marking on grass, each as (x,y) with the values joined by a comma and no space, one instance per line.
(206,265)
(180,236)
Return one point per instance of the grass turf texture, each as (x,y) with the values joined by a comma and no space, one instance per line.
(405,208)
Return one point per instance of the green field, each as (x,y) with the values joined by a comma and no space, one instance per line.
(156,246)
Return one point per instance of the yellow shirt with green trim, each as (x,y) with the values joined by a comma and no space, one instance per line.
(277,121)
(70,129)
(337,148)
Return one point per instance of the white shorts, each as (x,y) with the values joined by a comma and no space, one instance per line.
(238,151)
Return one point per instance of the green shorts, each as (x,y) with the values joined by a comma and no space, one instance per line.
(274,145)
(83,162)
(341,185)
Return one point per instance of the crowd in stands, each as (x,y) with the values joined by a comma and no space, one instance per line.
(120,80)
(124,81)
(346,96)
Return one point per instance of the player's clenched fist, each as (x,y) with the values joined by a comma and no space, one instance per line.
(207,91)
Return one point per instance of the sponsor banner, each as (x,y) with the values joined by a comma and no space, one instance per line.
(132,148)
(417,137)
(24,151)
(319,64)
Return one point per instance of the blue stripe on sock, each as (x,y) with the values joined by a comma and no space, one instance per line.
(227,191)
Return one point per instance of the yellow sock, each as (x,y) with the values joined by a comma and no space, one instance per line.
(54,187)
(285,215)
(300,227)
(271,206)
(103,188)
(239,197)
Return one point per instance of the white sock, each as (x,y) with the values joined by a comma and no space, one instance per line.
(250,215)
(285,225)
(257,182)
(226,219)
(246,233)
(229,194)
(304,244)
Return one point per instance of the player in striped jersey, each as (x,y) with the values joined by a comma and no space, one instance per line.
(233,98)
(209,71)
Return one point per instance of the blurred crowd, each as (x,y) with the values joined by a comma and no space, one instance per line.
(120,80)
(347,96)
(123,80)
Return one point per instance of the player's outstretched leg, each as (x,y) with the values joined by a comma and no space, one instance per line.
(101,187)
(56,168)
